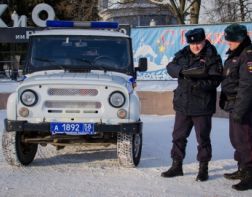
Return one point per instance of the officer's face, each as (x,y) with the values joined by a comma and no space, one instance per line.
(233,45)
(197,47)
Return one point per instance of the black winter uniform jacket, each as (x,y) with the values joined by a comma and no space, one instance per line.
(236,95)
(196,96)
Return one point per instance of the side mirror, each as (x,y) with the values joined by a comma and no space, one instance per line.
(142,64)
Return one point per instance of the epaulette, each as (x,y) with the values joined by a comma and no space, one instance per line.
(249,49)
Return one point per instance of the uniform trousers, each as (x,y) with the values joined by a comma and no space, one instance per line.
(241,139)
(182,129)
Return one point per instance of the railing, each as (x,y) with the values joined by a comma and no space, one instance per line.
(7,70)
(11,64)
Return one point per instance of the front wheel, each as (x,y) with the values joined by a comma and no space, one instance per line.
(15,151)
(129,148)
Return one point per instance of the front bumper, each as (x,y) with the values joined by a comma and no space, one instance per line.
(24,126)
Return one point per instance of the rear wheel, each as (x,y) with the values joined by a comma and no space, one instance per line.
(15,151)
(129,148)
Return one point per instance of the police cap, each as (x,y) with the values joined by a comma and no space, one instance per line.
(235,33)
(195,35)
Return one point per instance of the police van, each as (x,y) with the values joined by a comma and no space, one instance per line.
(78,88)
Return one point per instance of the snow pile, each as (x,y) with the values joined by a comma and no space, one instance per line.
(156,86)
(7,86)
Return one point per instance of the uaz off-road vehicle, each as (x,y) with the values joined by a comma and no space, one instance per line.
(79,88)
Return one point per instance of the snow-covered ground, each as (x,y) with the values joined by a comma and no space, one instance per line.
(80,171)
(7,85)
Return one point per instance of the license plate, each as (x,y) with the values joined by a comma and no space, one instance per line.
(70,128)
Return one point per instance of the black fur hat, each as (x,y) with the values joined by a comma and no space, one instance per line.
(195,35)
(235,33)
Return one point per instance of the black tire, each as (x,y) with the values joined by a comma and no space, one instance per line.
(129,148)
(16,152)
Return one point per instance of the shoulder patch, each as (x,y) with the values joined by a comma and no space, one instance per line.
(249,66)
(227,72)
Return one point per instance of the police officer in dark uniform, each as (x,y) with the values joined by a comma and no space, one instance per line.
(236,98)
(198,68)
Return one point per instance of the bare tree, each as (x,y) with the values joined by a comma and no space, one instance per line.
(64,9)
(81,10)
(194,12)
(241,2)
(230,11)
(183,8)
(86,10)
(245,10)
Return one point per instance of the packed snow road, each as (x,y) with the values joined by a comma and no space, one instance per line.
(94,171)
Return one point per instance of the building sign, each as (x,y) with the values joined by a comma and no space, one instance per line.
(16,35)
(19,33)
(21,21)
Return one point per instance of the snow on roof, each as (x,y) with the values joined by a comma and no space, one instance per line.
(79,32)
(132,5)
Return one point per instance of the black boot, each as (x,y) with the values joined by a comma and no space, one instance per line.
(175,170)
(203,172)
(234,175)
(246,181)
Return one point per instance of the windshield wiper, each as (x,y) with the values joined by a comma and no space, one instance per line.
(63,67)
(109,67)
(84,60)
(43,59)
(51,67)
(90,66)
(103,67)
(76,68)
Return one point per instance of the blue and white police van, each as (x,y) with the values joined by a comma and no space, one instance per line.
(78,88)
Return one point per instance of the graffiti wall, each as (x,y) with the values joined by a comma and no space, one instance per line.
(159,44)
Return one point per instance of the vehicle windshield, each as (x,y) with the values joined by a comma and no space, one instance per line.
(82,53)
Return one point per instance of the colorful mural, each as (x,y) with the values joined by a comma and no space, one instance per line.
(159,44)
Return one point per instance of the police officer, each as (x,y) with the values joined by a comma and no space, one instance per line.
(236,98)
(198,68)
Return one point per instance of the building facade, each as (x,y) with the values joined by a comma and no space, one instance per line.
(135,12)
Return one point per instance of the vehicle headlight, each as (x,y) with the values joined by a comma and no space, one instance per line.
(117,99)
(29,98)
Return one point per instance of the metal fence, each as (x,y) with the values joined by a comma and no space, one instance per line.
(12,60)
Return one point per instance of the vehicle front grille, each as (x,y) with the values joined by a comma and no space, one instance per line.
(73,105)
(72,92)
(69,100)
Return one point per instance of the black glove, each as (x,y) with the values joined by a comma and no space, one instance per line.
(180,74)
(184,69)
(197,70)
